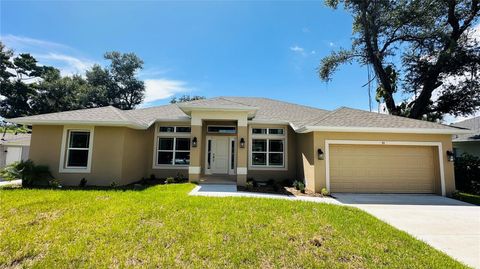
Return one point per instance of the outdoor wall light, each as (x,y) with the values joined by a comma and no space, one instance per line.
(242,143)
(450,156)
(194,142)
(320,154)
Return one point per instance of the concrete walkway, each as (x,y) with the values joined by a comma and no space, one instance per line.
(10,183)
(448,225)
(224,190)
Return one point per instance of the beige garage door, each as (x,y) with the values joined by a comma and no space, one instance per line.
(382,169)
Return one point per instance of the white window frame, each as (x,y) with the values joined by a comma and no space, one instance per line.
(63,168)
(173,135)
(268,137)
(215,125)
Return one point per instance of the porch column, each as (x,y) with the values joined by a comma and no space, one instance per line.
(242,154)
(195,169)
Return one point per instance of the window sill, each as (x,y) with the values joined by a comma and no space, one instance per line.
(71,170)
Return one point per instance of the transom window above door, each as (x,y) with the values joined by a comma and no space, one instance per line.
(217,129)
(175,129)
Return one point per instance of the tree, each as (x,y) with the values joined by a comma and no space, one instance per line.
(116,85)
(424,48)
(14,73)
(186,98)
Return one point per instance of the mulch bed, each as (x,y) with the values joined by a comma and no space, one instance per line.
(279,190)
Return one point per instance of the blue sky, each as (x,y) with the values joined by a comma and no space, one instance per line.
(204,48)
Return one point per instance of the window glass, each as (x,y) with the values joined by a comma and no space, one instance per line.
(165,143)
(275,131)
(276,145)
(182,144)
(222,129)
(182,158)
(79,139)
(259,158)
(259,130)
(275,159)
(167,129)
(232,157)
(184,129)
(165,157)
(77,158)
(259,145)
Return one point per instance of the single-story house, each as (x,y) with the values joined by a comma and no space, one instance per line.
(468,143)
(235,138)
(14,147)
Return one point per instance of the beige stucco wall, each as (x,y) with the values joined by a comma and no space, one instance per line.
(320,137)
(306,156)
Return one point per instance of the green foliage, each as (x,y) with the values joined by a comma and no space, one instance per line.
(467,173)
(30,89)
(170,180)
(28,172)
(83,183)
(299,185)
(416,47)
(325,192)
(186,98)
(467,197)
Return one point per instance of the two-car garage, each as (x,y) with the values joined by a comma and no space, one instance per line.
(383,167)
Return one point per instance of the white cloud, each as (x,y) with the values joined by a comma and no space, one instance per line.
(157,89)
(297,49)
(67,64)
(22,42)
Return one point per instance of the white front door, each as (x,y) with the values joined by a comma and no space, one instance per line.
(14,154)
(219,155)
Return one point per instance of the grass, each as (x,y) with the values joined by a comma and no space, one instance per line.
(467,197)
(164,227)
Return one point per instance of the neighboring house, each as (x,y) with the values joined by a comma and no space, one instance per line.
(344,150)
(468,143)
(14,147)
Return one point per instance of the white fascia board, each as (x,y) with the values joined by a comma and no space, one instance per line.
(308,129)
(75,122)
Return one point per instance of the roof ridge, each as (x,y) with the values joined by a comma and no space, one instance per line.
(236,102)
(275,100)
(327,115)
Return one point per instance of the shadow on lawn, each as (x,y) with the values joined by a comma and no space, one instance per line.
(136,186)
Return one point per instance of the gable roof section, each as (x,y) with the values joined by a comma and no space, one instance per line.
(472,124)
(301,118)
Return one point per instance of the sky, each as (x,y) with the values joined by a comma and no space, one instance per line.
(233,48)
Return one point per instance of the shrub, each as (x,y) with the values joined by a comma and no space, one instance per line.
(249,185)
(28,172)
(170,180)
(180,178)
(467,173)
(113,184)
(301,187)
(324,192)
(83,183)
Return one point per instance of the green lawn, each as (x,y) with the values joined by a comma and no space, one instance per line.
(467,197)
(164,227)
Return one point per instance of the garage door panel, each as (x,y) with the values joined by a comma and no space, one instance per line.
(381,168)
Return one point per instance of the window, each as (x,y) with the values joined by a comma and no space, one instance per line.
(222,129)
(268,147)
(175,129)
(76,150)
(173,146)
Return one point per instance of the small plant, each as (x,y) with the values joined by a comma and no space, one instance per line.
(170,180)
(54,183)
(299,185)
(113,184)
(325,192)
(83,183)
(180,178)
(152,177)
(249,185)
(28,172)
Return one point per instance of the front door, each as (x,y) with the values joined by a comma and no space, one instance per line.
(219,155)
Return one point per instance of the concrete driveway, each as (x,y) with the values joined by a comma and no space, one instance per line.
(448,225)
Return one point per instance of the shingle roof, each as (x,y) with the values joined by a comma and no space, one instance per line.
(19,139)
(349,117)
(301,118)
(472,124)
